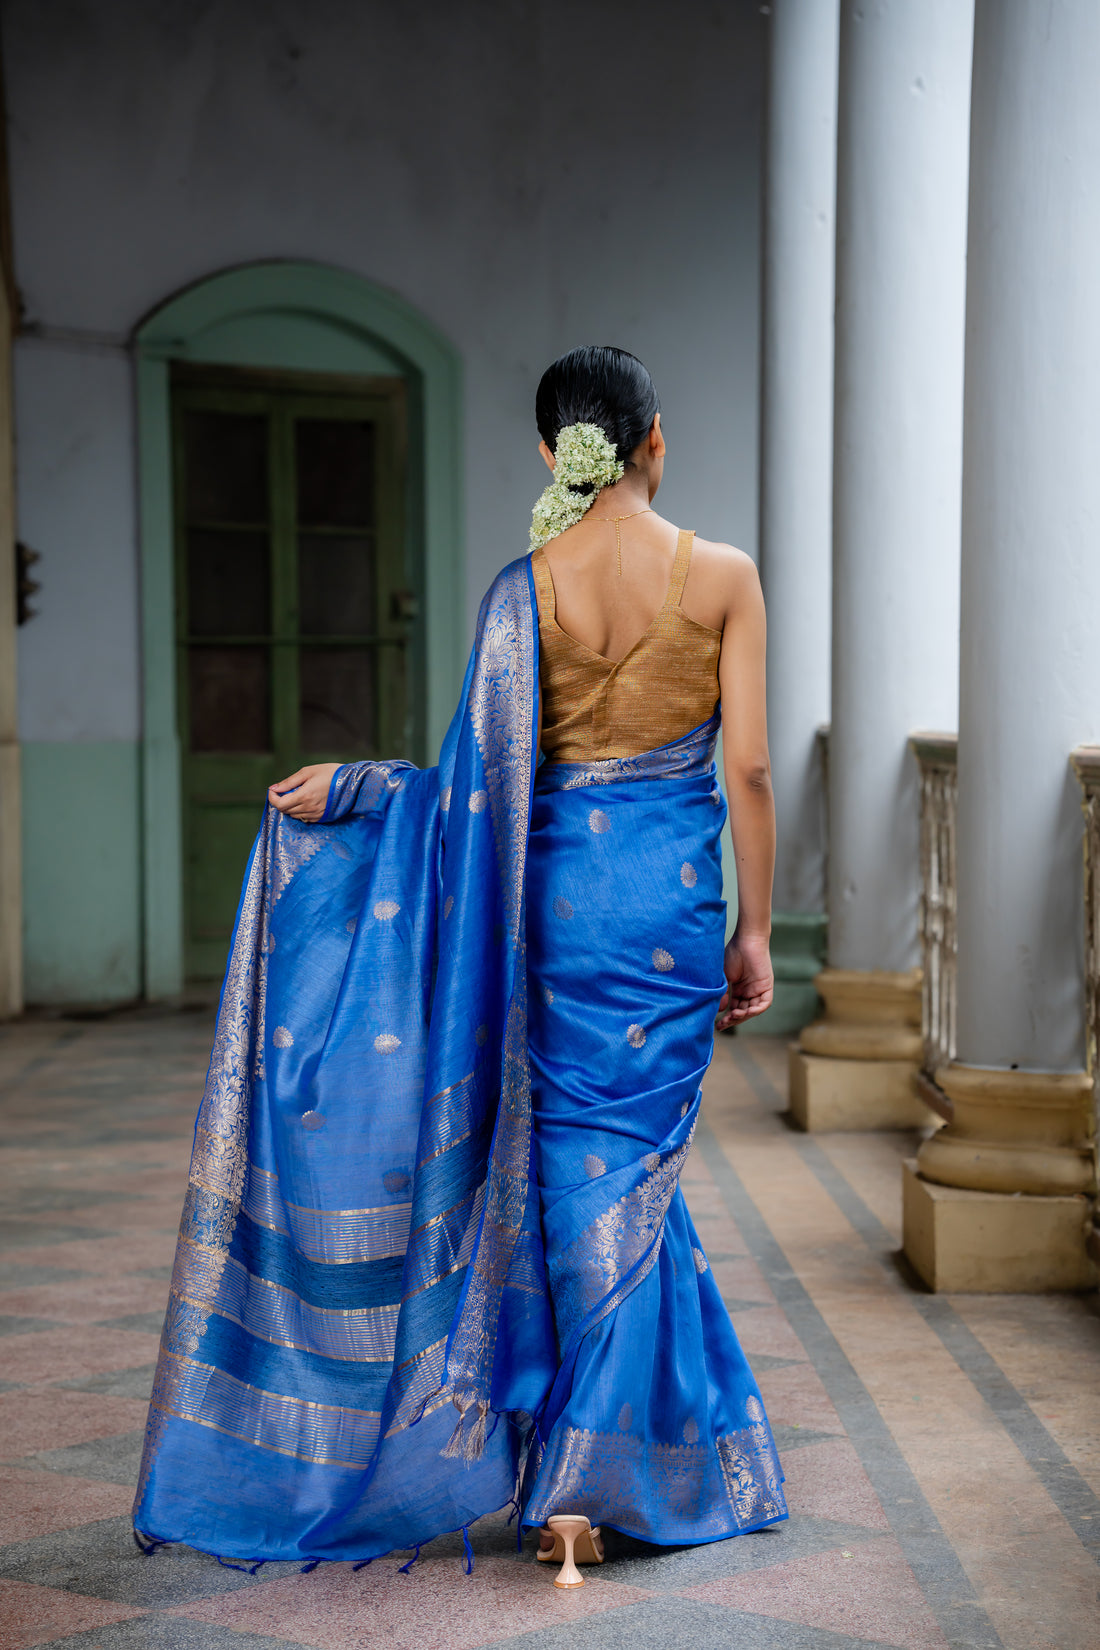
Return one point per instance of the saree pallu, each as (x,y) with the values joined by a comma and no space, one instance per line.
(379,1327)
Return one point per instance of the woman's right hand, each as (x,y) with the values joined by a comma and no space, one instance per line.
(749,980)
(304,795)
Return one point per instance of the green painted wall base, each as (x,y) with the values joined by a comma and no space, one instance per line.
(798,953)
(82,901)
(81,882)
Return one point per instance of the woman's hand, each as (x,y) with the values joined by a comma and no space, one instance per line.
(750,980)
(304,795)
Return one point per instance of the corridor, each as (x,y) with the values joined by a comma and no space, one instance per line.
(942,1453)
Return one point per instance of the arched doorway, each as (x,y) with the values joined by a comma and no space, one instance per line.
(301,565)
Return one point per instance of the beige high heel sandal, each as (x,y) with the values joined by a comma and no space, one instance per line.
(575,1542)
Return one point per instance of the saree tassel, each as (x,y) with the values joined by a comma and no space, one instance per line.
(475,1443)
(463,1445)
(146,1546)
(362,1564)
(310,1565)
(404,1569)
(469,1549)
(245,1569)
(452,1449)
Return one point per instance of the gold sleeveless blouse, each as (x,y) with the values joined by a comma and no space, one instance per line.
(665,685)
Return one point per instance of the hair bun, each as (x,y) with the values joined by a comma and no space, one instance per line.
(584,457)
(585,463)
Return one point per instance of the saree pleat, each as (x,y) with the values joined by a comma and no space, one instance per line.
(433,1241)
(654,1423)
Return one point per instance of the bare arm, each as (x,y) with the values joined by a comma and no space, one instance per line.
(749,791)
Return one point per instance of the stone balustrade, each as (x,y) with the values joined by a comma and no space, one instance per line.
(1004,1197)
(937,759)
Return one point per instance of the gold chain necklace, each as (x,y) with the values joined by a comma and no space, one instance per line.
(618,530)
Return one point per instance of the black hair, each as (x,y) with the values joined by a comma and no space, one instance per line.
(597,384)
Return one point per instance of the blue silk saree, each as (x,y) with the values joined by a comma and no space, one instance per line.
(434,1257)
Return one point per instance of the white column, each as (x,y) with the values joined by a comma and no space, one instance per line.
(1030,679)
(901,261)
(1030,684)
(796,446)
(900,283)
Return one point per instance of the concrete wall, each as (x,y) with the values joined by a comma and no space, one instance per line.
(79,710)
(530,178)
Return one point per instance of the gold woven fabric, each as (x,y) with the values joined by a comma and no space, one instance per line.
(663,687)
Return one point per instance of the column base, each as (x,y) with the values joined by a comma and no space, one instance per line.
(830,1094)
(1014,1131)
(994,1242)
(853,1068)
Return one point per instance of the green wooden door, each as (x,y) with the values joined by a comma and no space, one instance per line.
(294,608)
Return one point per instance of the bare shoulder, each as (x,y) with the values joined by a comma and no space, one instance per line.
(722,581)
(726,562)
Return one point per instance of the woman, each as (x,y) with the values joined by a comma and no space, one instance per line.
(456,1075)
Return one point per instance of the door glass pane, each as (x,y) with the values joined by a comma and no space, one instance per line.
(337,699)
(228,584)
(225,462)
(335,585)
(230,698)
(335,460)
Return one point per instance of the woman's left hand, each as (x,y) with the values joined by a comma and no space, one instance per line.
(749,981)
(305,794)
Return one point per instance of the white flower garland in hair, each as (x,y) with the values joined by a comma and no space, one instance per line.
(583,456)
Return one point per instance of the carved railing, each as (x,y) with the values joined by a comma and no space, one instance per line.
(1086,765)
(937,759)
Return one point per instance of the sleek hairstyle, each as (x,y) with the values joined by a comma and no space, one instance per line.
(597,385)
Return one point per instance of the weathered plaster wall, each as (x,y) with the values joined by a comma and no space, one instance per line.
(529,178)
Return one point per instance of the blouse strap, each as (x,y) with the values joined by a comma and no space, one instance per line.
(544,585)
(680,566)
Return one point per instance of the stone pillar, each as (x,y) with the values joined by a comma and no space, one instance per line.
(796,445)
(900,287)
(1000,1198)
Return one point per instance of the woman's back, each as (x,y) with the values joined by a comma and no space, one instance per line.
(625,664)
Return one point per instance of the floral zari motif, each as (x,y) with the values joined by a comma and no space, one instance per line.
(592,1270)
(750,1468)
(697,1483)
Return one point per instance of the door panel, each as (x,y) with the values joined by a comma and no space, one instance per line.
(335,471)
(227,465)
(293,608)
(229,694)
(228,583)
(337,583)
(338,701)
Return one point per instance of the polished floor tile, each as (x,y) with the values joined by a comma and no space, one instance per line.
(942,1457)
(866,1590)
(34,1502)
(31,1616)
(37,1418)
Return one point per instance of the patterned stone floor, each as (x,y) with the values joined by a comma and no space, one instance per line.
(942,1455)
